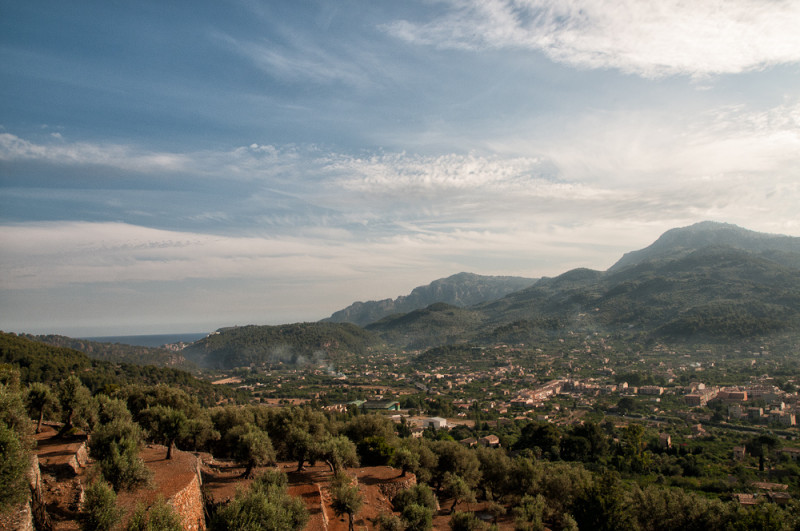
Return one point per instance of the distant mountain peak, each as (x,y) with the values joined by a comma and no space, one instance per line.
(679,241)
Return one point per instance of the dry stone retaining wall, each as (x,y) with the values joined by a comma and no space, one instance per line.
(391,489)
(188,503)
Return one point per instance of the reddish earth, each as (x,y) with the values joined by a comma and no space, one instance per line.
(62,486)
(169,477)
(63,477)
(221,478)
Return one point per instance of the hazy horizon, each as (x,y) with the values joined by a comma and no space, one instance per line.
(244,162)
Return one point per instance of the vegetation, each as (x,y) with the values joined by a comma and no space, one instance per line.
(15,441)
(264,506)
(100,510)
(345,497)
(568,405)
(114,352)
(14,464)
(160,517)
(43,363)
(294,344)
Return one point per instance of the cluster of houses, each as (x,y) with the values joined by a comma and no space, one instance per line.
(776,410)
(530,398)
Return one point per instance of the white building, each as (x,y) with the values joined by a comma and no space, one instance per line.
(436,423)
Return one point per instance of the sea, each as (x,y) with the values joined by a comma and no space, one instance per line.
(155,340)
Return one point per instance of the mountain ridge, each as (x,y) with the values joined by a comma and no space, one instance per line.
(710,280)
(461,290)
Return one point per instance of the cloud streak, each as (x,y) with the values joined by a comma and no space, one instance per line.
(13,147)
(607,163)
(649,39)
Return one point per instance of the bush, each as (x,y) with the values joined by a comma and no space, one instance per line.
(14,463)
(264,508)
(388,522)
(417,495)
(123,467)
(375,451)
(466,522)
(272,477)
(417,518)
(160,517)
(100,507)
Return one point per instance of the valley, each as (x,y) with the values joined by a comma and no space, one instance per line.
(579,401)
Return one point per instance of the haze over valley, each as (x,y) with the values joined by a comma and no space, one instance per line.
(464,265)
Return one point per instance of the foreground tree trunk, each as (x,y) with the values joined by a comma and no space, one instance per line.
(67,425)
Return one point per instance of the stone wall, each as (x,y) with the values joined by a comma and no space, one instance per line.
(79,459)
(22,516)
(390,489)
(188,503)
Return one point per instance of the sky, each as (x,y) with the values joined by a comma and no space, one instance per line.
(182,166)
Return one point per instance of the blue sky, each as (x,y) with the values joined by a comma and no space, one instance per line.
(182,167)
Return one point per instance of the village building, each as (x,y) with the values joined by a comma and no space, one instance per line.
(437,423)
(491,441)
(381,405)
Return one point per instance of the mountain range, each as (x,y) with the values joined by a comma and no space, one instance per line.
(709,282)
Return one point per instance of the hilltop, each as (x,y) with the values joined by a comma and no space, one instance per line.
(290,344)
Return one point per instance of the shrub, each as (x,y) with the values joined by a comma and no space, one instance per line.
(160,517)
(123,467)
(100,507)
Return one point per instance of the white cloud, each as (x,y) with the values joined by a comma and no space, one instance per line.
(650,39)
(736,164)
(13,147)
(626,148)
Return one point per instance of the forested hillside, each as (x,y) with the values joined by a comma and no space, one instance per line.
(40,362)
(291,344)
(701,291)
(438,324)
(116,352)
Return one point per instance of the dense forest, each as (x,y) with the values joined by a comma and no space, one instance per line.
(115,352)
(293,344)
(43,363)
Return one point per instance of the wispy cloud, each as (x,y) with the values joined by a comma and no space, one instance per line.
(637,165)
(13,147)
(48,255)
(302,61)
(650,39)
